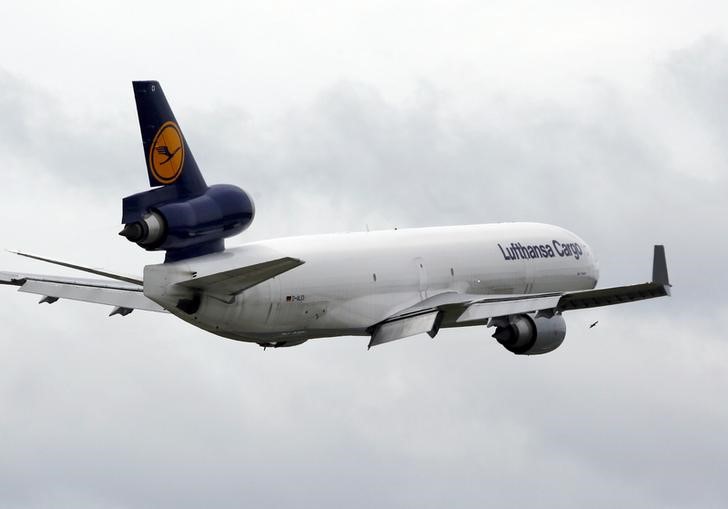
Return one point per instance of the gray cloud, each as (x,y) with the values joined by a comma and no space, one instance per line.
(147,412)
(605,171)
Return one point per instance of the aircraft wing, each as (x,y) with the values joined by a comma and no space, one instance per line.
(468,309)
(126,293)
(124,296)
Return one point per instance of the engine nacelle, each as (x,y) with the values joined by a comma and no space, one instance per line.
(198,222)
(529,335)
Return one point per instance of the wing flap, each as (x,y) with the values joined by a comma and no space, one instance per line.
(405,327)
(235,281)
(113,297)
(508,305)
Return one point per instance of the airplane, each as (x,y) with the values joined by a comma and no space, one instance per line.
(518,278)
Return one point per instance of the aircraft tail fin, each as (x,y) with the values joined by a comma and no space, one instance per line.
(181,214)
(169,159)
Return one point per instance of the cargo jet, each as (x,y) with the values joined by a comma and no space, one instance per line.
(517,278)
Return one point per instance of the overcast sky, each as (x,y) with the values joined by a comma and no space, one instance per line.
(610,121)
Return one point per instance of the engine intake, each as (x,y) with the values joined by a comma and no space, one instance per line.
(529,335)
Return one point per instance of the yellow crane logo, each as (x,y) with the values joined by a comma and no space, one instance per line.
(167,154)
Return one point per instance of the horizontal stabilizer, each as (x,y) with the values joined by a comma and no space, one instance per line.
(235,281)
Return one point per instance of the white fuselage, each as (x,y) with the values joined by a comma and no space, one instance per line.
(350,282)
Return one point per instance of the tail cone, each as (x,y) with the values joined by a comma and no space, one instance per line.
(504,335)
(133,231)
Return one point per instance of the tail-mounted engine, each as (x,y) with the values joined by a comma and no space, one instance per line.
(182,215)
(187,227)
(529,335)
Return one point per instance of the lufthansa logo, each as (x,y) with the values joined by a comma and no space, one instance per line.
(167,154)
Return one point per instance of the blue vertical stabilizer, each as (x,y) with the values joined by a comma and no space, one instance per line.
(169,159)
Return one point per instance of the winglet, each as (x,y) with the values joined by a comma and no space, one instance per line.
(659,267)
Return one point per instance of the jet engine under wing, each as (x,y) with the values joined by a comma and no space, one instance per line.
(469,309)
(125,297)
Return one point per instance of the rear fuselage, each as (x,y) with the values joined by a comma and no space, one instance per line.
(350,282)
